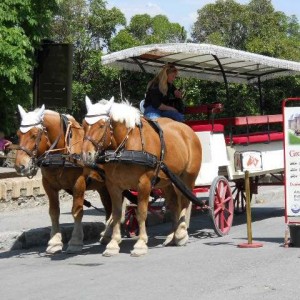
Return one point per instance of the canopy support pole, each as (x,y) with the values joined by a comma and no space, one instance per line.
(224,76)
(261,101)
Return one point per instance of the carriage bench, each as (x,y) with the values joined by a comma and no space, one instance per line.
(264,133)
(237,130)
(209,111)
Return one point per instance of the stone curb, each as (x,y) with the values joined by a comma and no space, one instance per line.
(40,236)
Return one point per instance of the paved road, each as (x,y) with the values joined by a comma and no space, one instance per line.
(209,267)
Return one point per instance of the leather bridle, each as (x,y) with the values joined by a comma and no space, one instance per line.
(99,144)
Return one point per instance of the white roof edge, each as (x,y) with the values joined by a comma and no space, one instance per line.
(202,49)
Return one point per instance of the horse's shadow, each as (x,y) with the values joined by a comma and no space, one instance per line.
(200,229)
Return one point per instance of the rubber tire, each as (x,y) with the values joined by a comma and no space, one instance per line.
(221,206)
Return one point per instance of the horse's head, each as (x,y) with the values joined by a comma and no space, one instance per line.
(32,141)
(107,126)
(97,128)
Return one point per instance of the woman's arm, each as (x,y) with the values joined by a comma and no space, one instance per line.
(166,107)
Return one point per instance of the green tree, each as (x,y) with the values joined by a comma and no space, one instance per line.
(23,24)
(223,23)
(258,28)
(89,26)
(143,30)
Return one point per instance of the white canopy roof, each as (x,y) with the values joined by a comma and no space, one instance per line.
(203,61)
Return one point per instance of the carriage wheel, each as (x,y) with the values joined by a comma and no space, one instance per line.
(221,205)
(131,226)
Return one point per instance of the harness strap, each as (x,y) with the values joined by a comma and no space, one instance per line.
(44,159)
(140,126)
(158,129)
(128,156)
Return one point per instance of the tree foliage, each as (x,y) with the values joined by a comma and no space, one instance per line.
(144,29)
(255,27)
(23,24)
(89,26)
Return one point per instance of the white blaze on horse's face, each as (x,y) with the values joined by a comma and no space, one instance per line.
(31,119)
(97,111)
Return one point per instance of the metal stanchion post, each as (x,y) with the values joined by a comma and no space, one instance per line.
(250,244)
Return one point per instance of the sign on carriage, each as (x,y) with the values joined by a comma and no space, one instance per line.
(292,160)
(248,161)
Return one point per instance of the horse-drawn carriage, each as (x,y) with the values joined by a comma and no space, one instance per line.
(140,155)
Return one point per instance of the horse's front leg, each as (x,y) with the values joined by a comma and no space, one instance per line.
(55,244)
(75,244)
(112,247)
(140,247)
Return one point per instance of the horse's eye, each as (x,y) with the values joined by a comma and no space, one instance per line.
(33,136)
(101,126)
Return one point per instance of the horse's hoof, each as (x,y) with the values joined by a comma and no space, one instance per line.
(136,252)
(54,249)
(73,249)
(110,252)
(169,240)
(140,248)
(111,249)
(182,241)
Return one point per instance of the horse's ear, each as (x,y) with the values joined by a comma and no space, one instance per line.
(21,111)
(110,103)
(88,103)
(41,111)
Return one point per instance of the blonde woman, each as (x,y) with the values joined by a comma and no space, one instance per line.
(163,99)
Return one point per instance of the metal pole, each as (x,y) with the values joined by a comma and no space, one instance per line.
(250,244)
(248,207)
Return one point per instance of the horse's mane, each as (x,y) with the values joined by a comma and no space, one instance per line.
(125,112)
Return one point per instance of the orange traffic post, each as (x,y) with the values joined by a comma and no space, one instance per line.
(250,243)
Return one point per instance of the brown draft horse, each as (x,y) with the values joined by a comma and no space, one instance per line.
(44,134)
(119,126)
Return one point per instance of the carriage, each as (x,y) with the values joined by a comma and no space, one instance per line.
(226,153)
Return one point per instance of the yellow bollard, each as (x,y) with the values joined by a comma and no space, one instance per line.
(250,244)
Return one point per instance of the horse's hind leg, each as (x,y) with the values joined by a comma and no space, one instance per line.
(181,234)
(178,206)
(55,244)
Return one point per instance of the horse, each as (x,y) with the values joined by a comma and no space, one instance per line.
(53,142)
(113,128)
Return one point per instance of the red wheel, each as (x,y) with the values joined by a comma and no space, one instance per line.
(131,225)
(221,207)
